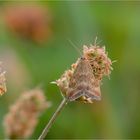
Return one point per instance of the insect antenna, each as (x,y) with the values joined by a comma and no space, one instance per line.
(95,41)
(75,47)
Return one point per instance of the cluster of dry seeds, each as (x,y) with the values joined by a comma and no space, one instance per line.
(23,115)
(85,75)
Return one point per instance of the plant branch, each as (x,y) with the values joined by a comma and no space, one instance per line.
(53,118)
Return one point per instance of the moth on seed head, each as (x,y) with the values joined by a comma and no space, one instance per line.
(82,82)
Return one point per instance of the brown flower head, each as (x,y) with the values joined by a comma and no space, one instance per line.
(82,81)
(31,22)
(99,61)
(23,115)
(3,88)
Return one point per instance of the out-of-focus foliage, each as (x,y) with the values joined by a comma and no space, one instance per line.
(29,63)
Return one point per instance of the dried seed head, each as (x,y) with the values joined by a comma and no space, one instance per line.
(23,115)
(99,61)
(3,88)
(63,82)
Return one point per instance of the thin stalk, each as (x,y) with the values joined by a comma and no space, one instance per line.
(53,118)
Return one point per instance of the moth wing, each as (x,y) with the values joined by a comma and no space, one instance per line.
(82,73)
(77,94)
(94,93)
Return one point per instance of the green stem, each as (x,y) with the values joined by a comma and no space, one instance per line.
(53,118)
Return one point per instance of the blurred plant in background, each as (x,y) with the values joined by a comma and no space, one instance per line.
(14,68)
(3,88)
(22,118)
(31,22)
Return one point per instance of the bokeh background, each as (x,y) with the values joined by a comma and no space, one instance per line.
(35,50)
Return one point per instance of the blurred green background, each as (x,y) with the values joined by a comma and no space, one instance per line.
(29,63)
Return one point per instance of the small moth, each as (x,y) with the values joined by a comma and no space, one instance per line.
(82,82)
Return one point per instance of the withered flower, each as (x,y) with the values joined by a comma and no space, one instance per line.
(22,118)
(3,88)
(82,81)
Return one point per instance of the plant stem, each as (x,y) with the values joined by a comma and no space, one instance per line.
(53,118)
